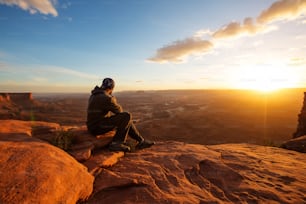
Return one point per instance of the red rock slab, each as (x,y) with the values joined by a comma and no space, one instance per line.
(174,172)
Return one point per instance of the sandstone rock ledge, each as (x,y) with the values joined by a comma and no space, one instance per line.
(32,171)
(174,172)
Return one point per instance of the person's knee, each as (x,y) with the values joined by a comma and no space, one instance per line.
(126,116)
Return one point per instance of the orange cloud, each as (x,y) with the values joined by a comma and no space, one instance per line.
(248,27)
(283,9)
(43,6)
(279,10)
(177,51)
(236,29)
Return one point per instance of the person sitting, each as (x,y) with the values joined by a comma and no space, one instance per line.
(104,114)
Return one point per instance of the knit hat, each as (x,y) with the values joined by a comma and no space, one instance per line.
(108,83)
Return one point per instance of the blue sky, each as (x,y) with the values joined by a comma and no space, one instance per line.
(70,46)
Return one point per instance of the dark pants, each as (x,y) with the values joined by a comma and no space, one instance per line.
(123,124)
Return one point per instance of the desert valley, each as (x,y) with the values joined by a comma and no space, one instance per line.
(192,116)
(213,146)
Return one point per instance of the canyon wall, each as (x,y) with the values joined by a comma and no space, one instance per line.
(301,128)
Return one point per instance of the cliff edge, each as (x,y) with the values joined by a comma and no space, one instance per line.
(168,172)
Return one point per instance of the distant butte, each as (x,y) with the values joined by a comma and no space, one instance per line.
(16,97)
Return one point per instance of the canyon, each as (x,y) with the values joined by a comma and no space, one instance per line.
(212,147)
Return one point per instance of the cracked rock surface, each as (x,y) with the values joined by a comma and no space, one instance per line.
(175,172)
(33,171)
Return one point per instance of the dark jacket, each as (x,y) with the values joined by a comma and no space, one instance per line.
(100,106)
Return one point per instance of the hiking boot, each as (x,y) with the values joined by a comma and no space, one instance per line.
(114,146)
(144,144)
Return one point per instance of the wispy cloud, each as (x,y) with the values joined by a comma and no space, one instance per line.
(202,33)
(236,29)
(44,78)
(45,71)
(283,10)
(39,79)
(279,10)
(179,50)
(70,72)
(33,6)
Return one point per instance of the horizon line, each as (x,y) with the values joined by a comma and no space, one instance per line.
(156,90)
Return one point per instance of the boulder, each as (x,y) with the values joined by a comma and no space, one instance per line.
(297,144)
(33,171)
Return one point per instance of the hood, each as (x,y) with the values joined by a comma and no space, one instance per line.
(97,90)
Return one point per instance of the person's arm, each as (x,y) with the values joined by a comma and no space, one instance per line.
(114,106)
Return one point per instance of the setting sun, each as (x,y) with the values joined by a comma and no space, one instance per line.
(266,87)
(264,78)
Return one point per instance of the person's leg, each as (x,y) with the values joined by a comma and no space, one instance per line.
(134,133)
(142,142)
(102,129)
(122,122)
(125,126)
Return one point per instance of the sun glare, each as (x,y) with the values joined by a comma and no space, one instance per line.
(264,78)
(265,87)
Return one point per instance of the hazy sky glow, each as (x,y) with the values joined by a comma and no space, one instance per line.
(69,46)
